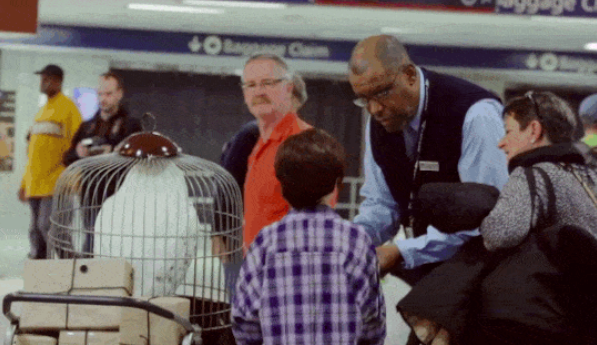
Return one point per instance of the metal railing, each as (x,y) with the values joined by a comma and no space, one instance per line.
(351,204)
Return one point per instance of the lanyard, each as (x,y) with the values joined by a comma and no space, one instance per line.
(409,231)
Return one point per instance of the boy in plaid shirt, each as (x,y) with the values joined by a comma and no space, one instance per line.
(312,277)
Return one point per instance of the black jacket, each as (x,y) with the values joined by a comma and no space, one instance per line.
(120,126)
(543,291)
(235,155)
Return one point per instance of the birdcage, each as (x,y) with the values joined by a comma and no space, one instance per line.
(176,218)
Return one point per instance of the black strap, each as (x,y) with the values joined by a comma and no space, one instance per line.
(532,190)
(551,197)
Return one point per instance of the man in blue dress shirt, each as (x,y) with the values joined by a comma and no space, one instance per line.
(446,127)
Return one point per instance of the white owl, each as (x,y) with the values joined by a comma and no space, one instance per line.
(151,221)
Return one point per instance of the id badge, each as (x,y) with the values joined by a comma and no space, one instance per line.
(429,166)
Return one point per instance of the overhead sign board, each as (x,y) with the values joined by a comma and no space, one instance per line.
(453,5)
(554,8)
(301,48)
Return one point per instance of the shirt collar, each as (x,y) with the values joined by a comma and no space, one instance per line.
(283,127)
(57,96)
(316,209)
(416,122)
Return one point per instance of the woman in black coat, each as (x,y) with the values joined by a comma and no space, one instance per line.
(530,278)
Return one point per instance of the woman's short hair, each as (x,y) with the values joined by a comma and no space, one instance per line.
(558,120)
(309,165)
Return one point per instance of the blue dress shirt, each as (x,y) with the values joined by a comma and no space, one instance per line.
(481,161)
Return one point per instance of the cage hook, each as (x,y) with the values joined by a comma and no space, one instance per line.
(148,122)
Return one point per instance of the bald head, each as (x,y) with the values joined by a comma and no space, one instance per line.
(383,49)
(385,81)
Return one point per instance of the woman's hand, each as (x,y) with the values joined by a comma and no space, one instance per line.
(428,332)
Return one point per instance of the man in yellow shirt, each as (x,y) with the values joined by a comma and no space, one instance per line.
(50,136)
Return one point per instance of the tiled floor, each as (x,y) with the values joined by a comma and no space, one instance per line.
(14,248)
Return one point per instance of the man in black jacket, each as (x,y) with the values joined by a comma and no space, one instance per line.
(99,135)
(108,127)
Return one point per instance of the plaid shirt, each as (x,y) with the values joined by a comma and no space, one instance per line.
(310,278)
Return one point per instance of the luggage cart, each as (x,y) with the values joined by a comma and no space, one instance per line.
(176,218)
(193,336)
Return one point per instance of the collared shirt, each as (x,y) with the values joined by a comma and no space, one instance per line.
(481,161)
(50,136)
(311,278)
(263,200)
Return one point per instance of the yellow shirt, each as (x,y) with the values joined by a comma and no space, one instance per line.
(50,136)
(4,151)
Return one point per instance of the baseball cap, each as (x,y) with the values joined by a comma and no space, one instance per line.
(588,109)
(52,70)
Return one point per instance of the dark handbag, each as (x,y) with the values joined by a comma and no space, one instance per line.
(452,207)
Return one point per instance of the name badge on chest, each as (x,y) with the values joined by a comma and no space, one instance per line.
(428,166)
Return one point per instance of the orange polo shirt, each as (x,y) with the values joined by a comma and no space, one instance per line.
(263,202)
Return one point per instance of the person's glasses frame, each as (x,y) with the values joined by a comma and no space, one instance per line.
(530,95)
(265,83)
(380,96)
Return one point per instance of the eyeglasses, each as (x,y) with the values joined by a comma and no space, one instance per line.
(265,83)
(380,96)
(530,96)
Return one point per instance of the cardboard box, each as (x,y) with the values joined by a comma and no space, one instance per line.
(103,273)
(88,338)
(48,276)
(83,276)
(30,339)
(102,338)
(72,338)
(92,316)
(134,329)
(45,276)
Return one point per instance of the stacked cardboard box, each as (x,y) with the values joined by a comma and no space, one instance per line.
(105,277)
(140,328)
(31,339)
(92,324)
(88,338)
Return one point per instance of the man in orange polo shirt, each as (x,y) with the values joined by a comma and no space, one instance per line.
(267,89)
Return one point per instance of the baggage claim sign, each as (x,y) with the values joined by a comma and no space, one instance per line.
(215,45)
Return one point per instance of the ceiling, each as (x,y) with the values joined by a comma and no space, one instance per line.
(336,22)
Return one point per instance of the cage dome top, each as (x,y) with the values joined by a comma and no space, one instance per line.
(148,145)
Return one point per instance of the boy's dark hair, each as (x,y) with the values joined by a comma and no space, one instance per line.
(309,165)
